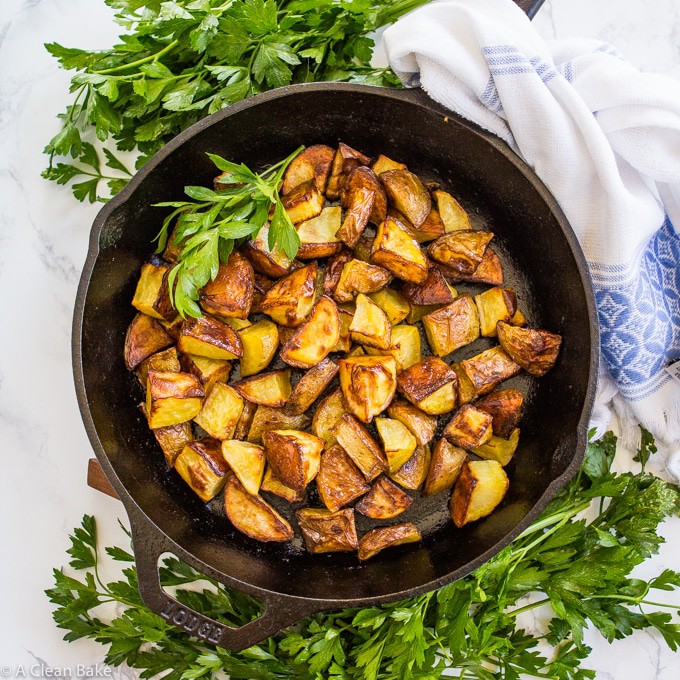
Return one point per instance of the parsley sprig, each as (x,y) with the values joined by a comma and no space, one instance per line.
(180,60)
(578,568)
(209,227)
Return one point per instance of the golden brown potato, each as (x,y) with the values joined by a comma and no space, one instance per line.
(467,391)
(203,468)
(370,325)
(312,342)
(247,462)
(356,216)
(480,487)
(327,414)
(238,324)
(460,252)
(494,305)
(290,300)
(267,418)
(431,385)
(339,480)
(412,473)
(208,337)
(518,319)
(501,450)
(221,412)
(489,270)
(230,293)
(208,371)
(489,368)
(333,271)
(310,386)
(430,229)
(362,250)
(384,501)
(245,422)
(404,347)
(360,446)
(260,342)
(398,442)
(434,290)
(386,537)
(360,277)
(312,163)
(173,439)
(345,160)
(271,484)
(453,326)
(344,343)
(253,516)
(452,214)
(408,195)
(172,398)
(397,251)
(293,456)
(319,236)
(421,424)
(469,427)
(326,531)
(392,303)
(363,179)
(417,312)
(303,202)
(173,328)
(535,350)
(505,407)
(145,336)
(274,263)
(445,466)
(270,389)
(152,296)
(383,164)
(368,384)
(167,360)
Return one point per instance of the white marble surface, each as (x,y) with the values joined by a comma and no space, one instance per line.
(43,240)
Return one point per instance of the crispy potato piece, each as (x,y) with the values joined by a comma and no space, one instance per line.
(363,178)
(434,290)
(395,305)
(467,391)
(386,537)
(370,325)
(430,229)
(274,263)
(453,326)
(452,214)
(535,350)
(404,347)
(384,501)
(208,337)
(481,486)
(294,456)
(383,164)
(273,485)
(469,427)
(408,195)
(445,466)
(357,351)
(203,468)
(172,398)
(260,342)
(417,312)
(360,446)
(253,516)
(221,412)
(501,450)
(152,296)
(412,473)
(518,319)
(144,337)
(397,251)
(173,328)
(460,252)
(238,324)
(319,236)
(494,305)
(368,384)
(398,442)
(345,160)
(268,418)
(208,371)
(360,277)
(313,341)
(312,163)
(167,360)
(270,389)
(356,216)
(310,386)
(333,271)
(326,531)
(505,407)
(489,270)
(339,480)
(245,422)
(303,202)
(489,368)
(327,414)
(421,424)
(362,250)
(230,293)
(173,439)
(344,343)
(247,462)
(431,385)
(291,299)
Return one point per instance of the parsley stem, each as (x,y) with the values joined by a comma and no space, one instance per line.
(527,607)
(554,519)
(152,57)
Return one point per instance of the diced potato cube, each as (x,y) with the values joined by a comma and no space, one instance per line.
(172,398)
(360,277)
(452,214)
(152,296)
(467,391)
(171,439)
(392,303)
(260,342)
(383,164)
(319,236)
(167,360)
(245,422)
(247,462)
(221,412)
(326,531)
(333,271)
(339,480)
(533,349)
(267,418)
(370,325)
(208,371)
(469,427)
(494,305)
(344,343)
(144,337)
(481,486)
(345,160)
(230,293)
(505,408)
(173,328)
(360,181)
(303,202)
(314,162)
(290,300)
(203,468)
(274,263)
(423,425)
(294,456)
(460,252)
(489,368)
(356,216)
(396,250)
(384,501)
(368,384)
(430,229)
(310,386)
(445,466)
(453,326)
(269,389)
(434,290)
(386,537)
(397,440)
(329,411)
(489,270)
(417,312)
(408,195)
(404,347)
(431,385)
(208,337)
(360,446)
(501,450)
(412,473)
(271,484)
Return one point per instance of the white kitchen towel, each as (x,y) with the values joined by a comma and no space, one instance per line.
(605,139)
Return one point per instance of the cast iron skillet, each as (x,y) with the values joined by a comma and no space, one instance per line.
(542,261)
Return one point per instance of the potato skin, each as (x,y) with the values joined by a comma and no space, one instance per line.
(422,379)
(453,326)
(144,337)
(310,386)
(408,195)
(213,334)
(434,290)
(469,427)
(460,252)
(384,501)
(360,277)
(412,473)
(423,425)
(535,350)
(326,531)
(481,486)
(364,179)
(395,249)
(339,481)
(304,202)
(268,418)
(505,407)
(327,414)
(384,537)
(345,160)
(360,446)
(294,456)
(203,468)
(445,466)
(368,384)
(230,293)
(290,299)
(489,368)
(314,162)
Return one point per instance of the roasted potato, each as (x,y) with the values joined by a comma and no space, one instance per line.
(327,414)
(310,386)
(469,427)
(404,346)
(408,195)
(445,466)
(460,252)
(312,163)
(501,450)
(370,325)
(392,303)
(333,271)
(270,389)
(268,418)
(360,277)
(339,480)
(362,250)
(384,501)
(481,486)
(271,484)
(208,371)
(152,296)
(173,328)
(383,164)
(260,342)
(431,385)
(172,398)
(345,160)
(368,384)
(417,312)
(144,337)
(451,212)
(290,300)
(363,179)
(421,424)
(451,327)
(467,391)
(505,408)
(230,293)
(221,412)
(238,324)
(313,341)
(274,263)
(247,462)
(489,270)
(167,360)
(245,422)
(203,468)
(430,229)
(412,473)
(398,442)
(356,216)
(533,349)
(397,251)
(344,343)
(171,439)
(253,516)
(319,236)
(434,290)
(489,368)
(326,531)
(386,537)
(494,305)
(360,446)
(208,337)
(303,202)
(293,456)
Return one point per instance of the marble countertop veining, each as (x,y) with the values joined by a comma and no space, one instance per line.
(43,243)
